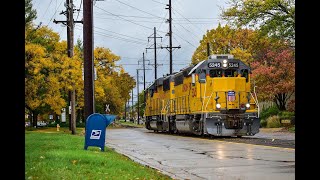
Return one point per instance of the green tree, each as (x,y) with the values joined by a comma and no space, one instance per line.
(273,17)
(30,14)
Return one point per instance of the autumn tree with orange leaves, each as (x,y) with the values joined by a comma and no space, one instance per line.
(274,76)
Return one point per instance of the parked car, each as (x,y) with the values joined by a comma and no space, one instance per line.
(41,124)
(27,124)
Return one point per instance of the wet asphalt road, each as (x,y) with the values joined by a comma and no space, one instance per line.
(183,157)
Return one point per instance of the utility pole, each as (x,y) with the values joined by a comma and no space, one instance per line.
(138,93)
(144,73)
(88,58)
(132,115)
(125,112)
(170,46)
(128,111)
(170,36)
(208,49)
(155,51)
(70,32)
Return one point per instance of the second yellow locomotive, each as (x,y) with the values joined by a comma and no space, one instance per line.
(212,97)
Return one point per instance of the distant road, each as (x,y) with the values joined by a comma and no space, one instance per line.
(187,157)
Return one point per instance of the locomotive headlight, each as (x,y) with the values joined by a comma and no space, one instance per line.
(224,61)
(224,65)
(247,105)
(218,106)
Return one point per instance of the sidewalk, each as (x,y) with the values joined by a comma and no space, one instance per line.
(275,133)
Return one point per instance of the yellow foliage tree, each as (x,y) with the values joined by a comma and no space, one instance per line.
(242,43)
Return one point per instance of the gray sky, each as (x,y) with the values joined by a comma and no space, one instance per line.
(124,26)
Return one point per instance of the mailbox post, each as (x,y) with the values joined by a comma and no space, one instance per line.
(96,129)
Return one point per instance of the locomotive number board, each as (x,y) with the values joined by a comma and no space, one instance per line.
(233,64)
(214,64)
(218,65)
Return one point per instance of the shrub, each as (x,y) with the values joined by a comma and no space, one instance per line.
(273,122)
(291,105)
(292,129)
(286,115)
(271,111)
(263,123)
(65,125)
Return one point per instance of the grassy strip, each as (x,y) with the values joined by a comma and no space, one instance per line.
(128,123)
(58,155)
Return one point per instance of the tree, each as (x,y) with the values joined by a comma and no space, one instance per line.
(274,76)
(49,73)
(113,84)
(242,43)
(30,14)
(273,17)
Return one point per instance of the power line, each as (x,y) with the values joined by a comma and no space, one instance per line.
(119,33)
(158,2)
(188,31)
(137,9)
(186,18)
(54,13)
(45,12)
(126,19)
(116,37)
(131,20)
(79,10)
(185,40)
(145,17)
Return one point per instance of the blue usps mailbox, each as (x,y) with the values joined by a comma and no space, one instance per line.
(96,125)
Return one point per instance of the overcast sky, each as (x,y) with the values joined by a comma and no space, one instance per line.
(124,26)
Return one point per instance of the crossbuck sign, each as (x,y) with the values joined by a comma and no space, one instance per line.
(107,108)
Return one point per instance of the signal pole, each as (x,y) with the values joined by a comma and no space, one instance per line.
(70,32)
(170,36)
(155,51)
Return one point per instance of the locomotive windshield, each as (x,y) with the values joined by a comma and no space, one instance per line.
(215,73)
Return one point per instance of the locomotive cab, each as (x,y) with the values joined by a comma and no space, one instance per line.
(234,109)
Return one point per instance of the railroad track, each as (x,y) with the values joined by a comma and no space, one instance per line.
(246,140)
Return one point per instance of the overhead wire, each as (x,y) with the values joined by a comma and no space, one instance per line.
(125,19)
(137,8)
(119,33)
(79,10)
(54,13)
(45,12)
(116,37)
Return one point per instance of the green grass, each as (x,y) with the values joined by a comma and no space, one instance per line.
(292,129)
(128,123)
(58,155)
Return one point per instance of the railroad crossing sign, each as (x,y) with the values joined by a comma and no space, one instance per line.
(107,108)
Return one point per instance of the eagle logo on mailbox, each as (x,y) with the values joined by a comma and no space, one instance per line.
(95,134)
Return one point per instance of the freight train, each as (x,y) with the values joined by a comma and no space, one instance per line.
(212,97)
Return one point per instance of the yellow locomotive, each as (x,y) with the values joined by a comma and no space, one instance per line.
(212,97)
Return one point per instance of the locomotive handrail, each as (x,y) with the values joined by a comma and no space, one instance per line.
(208,100)
(256,101)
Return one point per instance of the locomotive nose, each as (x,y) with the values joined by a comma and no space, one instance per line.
(231,91)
